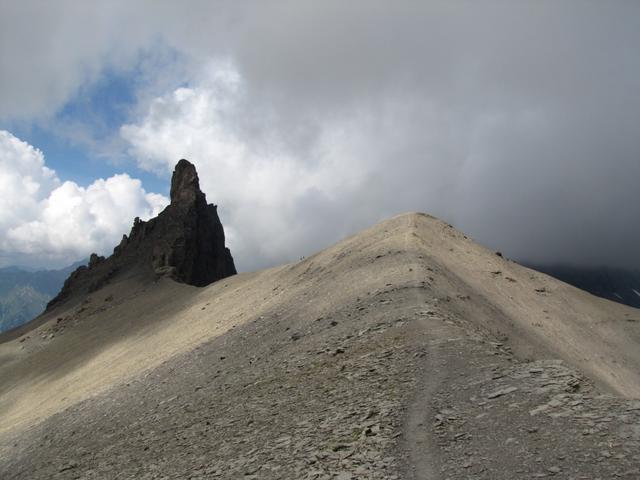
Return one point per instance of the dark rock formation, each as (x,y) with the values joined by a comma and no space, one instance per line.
(185,241)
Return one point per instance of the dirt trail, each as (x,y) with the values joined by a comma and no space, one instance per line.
(418,439)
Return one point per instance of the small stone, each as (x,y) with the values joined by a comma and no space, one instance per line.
(344,476)
(68,466)
(501,392)
(340,446)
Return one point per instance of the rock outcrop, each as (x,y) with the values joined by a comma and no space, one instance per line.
(185,242)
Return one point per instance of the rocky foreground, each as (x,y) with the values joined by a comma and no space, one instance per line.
(374,359)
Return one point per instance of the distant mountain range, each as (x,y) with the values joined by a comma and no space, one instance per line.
(24,294)
(616,284)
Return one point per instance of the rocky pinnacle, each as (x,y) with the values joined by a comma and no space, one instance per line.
(185,242)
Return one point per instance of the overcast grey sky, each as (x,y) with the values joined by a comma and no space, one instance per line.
(518,122)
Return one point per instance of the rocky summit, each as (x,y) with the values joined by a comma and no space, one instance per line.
(185,242)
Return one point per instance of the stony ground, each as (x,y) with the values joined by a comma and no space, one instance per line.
(396,382)
(497,418)
(324,398)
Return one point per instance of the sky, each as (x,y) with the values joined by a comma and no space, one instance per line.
(517,122)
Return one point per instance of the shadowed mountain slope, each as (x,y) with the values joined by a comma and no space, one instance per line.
(406,351)
(25,294)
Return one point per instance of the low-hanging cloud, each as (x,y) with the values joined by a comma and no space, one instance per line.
(309,120)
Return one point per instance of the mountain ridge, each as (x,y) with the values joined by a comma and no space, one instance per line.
(388,353)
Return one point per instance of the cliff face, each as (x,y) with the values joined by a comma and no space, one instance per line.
(185,242)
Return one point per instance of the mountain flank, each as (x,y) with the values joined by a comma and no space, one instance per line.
(25,294)
(404,352)
(615,284)
(184,242)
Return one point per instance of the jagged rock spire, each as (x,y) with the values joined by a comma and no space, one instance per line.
(185,242)
(185,185)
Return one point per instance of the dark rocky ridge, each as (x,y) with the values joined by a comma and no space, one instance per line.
(185,242)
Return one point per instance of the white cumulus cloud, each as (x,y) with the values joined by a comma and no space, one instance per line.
(58,222)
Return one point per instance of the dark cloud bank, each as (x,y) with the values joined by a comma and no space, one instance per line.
(518,122)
